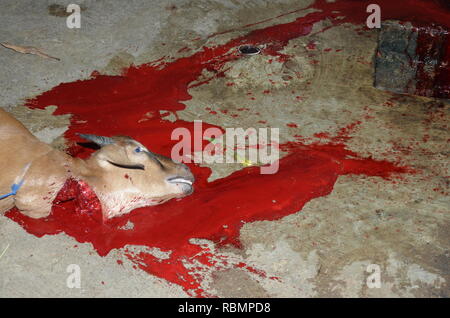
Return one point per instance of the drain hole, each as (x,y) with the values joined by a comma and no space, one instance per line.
(249,50)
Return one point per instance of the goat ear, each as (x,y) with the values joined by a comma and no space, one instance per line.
(99,140)
(127,166)
(117,157)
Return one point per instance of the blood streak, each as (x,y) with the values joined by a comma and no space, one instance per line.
(110,105)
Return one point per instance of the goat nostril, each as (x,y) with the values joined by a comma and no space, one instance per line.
(186,172)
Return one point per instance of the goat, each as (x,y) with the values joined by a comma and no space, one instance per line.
(123,173)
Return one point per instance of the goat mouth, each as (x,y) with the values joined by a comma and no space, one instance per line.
(180,180)
(186,184)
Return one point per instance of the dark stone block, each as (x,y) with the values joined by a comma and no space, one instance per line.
(413,60)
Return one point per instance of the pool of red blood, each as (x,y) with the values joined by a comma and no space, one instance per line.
(136,104)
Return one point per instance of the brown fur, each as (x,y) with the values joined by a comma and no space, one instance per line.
(120,190)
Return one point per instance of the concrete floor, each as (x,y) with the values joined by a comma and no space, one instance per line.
(321,251)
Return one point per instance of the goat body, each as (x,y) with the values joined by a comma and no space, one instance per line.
(123,174)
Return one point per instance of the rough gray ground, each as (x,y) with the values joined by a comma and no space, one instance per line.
(323,250)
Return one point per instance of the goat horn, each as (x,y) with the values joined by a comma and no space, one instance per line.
(99,140)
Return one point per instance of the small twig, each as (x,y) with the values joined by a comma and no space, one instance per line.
(3,253)
(28,50)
